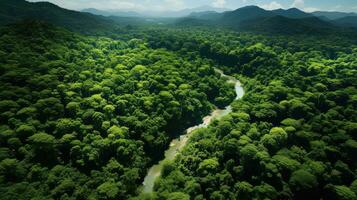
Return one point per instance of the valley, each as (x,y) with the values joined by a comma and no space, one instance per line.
(178,144)
(124,104)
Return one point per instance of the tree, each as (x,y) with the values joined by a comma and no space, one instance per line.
(244,190)
(351,149)
(353,186)
(108,190)
(265,191)
(42,141)
(72,108)
(66,187)
(24,131)
(178,196)
(117,132)
(286,165)
(208,166)
(276,138)
(339,192)
(12,170)
(303,183)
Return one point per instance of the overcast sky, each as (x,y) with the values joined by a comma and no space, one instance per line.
(164,5)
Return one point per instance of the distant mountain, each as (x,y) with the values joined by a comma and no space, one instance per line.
(292,13)
(253,18)
(234,18)
(350,21)
(168,14)
(207,15)
(204,9)
(17,10)
(333,15)
(186,12)
(283,25)
(108,13)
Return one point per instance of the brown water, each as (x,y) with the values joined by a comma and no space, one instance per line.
(176,145)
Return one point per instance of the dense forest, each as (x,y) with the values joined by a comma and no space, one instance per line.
(88,106)
(293,133)
(100,109)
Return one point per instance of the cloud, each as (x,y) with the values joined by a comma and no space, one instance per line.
(173,4)
(298,4)
(271,6)
(310,9)
(219,3)
(119,4)
(301,5)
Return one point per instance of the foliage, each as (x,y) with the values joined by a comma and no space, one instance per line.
(84,117)
(290,137)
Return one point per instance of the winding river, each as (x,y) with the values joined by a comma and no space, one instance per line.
(176,145)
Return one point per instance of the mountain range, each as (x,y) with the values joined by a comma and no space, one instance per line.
(108,13)
(288,21)
(18,10)
(333,15)
(292,13)
(251,18)
(169,14)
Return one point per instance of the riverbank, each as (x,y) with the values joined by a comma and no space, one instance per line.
(177,144)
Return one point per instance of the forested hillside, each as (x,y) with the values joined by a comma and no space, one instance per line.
(83,117)
(12,11)
(89,104)
(292,135)
(280,21)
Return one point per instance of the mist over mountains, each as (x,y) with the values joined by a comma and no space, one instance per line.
(170,14)
(290,21)
(251,18)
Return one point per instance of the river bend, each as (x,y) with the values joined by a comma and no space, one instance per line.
(177,144)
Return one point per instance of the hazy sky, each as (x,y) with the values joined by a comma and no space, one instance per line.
(161,5)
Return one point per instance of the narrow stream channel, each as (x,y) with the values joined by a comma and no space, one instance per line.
(176,145)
